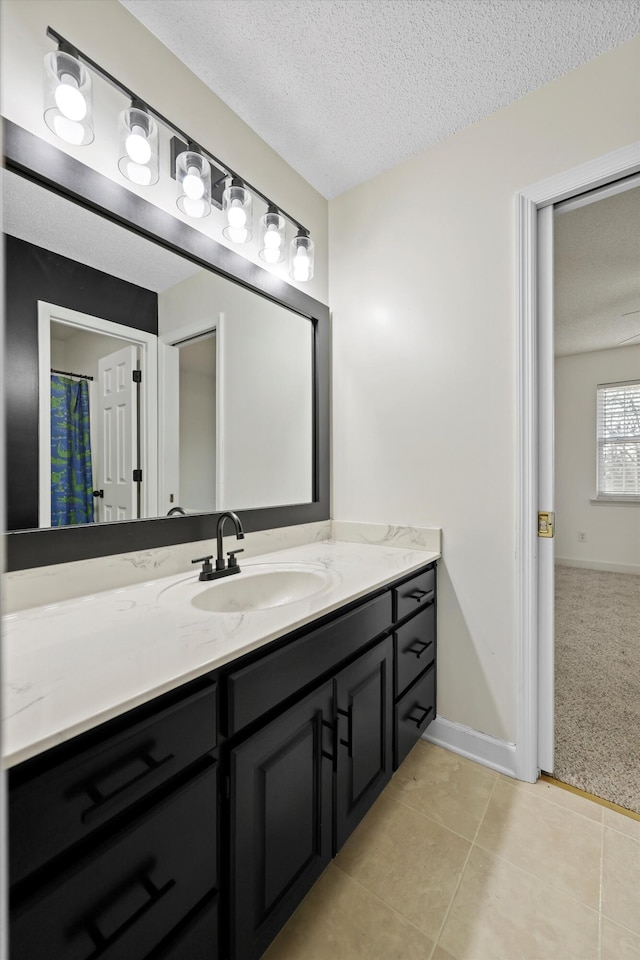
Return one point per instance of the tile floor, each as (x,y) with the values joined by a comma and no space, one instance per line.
(456,862)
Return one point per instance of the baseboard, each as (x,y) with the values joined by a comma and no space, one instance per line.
(603,565)
(497,754)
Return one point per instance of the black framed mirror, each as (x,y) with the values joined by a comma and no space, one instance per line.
(43,164)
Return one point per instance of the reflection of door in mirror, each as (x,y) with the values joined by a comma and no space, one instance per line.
(106,356)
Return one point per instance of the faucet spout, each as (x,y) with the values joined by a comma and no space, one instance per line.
(235,519)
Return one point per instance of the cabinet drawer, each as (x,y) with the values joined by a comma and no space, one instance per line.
(415,647)
(415,592)
(414,713)
(195,939)
(53,805)
(257,688)
(120,902)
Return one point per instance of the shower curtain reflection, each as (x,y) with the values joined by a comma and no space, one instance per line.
(71,469)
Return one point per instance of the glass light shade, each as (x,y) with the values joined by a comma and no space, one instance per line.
(68,102)
(138,146)
(193,176)
(272,236)
(237,205)
(301,258)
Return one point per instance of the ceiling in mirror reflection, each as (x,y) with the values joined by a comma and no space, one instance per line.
(39,216)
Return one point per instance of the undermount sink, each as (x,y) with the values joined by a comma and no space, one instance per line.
(250,590)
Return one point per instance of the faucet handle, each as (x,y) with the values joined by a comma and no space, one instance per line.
(232,557)
(207,570)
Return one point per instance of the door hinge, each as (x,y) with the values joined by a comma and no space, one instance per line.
(137,376)
(137,476)
(546,520)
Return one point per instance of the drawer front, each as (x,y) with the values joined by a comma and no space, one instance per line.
(414,713)
(59,805)
(414,593)
(262,685)
(196,939)
(121,901)
(415,647)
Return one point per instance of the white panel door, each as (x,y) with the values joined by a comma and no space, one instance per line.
(118,417)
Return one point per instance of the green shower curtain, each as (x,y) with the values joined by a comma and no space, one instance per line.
(71,471)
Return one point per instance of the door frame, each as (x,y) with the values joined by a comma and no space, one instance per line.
(534,641)
(148,344)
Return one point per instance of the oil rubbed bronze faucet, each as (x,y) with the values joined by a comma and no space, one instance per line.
(222,568)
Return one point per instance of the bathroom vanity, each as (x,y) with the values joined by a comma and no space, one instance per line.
(201,816)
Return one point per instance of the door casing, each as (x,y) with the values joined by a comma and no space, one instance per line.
(534,625)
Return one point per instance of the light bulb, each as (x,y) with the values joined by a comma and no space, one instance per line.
(193,185)
(69,100)
(137,145)
(301,265)
(138,173)
(68,130)
(271,254)
(236,216)
(272,238)
(237,234)
(194,208)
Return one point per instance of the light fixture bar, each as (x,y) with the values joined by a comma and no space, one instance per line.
(68,47)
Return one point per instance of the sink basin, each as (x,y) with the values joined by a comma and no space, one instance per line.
(252,589)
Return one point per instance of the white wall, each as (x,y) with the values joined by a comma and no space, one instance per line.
(612,530)
(422,293)
(264,390)
(197,395)
(110,35)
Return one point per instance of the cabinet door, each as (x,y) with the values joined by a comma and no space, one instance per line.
(364,706)
(281,820)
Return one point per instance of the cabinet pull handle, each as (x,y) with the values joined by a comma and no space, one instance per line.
(422,645)
(155,894)
(418,595)
(348,743)
(424,714)
(331,727)
(102,800)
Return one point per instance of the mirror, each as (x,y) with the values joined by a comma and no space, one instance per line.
(226,415)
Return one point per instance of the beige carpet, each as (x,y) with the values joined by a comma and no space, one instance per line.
(597,675)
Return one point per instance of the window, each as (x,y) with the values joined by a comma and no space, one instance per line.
(618,429)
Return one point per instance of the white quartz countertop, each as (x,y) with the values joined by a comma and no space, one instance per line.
(69,666)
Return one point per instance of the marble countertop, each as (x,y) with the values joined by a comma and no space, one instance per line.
(71,665)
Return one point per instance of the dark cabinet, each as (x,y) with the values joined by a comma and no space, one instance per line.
(281,819)
(363,699)
(192,827)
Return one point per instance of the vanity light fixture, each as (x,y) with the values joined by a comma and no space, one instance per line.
(68,108)
(272,236)
(301,256)
(193,176)
(236,207)
(68,111)
(138,145)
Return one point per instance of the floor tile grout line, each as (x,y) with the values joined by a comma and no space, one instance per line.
(464,865)
(563,806)
(384,902)
(438,823)
(534,876)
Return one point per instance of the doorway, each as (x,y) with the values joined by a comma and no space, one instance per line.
(596,252)
(534,467)
(118,366)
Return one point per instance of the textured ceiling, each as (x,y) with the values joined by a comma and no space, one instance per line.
(597,275)
(344,89)
(35,214)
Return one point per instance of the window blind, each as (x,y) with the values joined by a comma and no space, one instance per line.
(618,440)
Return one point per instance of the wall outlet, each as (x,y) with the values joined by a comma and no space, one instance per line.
(582,536)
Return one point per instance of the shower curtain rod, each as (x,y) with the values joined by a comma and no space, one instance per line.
(66,373)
